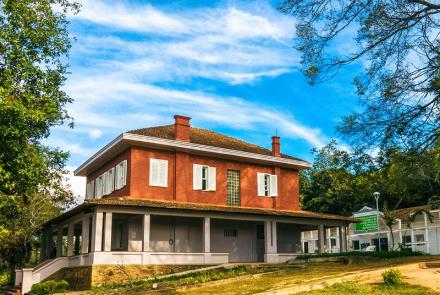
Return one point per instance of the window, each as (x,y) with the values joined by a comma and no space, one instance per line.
(230,233)
(332,243)
(99,183)
(233,187)
(90,190)
(158,172)
(204,178)
(121,175)
(406,239)
(267,185)
(109,181)
(356,245)
(420,238)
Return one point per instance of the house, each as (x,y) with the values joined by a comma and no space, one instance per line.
(420,233)
(178,195)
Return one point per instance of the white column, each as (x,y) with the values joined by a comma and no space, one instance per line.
(70,239)
(270,241)
(108,232)
(97,231)
(146,241)
(412,240)
(207,235)
(85,234)
(321,238)
(426,233)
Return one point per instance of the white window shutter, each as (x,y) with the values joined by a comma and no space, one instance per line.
(212,178)
(163,173)
(90,190)
(158,172)
(260,184)
(118,176)
(274,185)
(124,173)
(98,185)
(197,177)
(111,180)
(153,172)
(105,189)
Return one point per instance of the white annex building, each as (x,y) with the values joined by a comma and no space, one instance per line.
(420,234)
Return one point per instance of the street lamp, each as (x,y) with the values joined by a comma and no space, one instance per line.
(376,196)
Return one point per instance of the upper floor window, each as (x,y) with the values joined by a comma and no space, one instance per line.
(113,179)
(121,175)
(90,189)
(99,183)
(204,178)
(158,172)
(267,185)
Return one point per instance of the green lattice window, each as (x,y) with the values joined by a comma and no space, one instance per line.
(233,188)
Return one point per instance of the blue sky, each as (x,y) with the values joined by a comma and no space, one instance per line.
(230,66)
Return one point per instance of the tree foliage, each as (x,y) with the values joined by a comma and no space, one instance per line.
(343,181)
(34,43)
(398,42)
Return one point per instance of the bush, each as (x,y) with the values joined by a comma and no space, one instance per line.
(49,287)
(379,254)
(5,278)
(392,277)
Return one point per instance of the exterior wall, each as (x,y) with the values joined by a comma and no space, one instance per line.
(186,234)
(180,181)
(125,191)
(242,248)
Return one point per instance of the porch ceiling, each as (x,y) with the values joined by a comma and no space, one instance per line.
(145,203)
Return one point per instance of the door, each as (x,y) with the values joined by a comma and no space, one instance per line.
(306,247)
(260,242)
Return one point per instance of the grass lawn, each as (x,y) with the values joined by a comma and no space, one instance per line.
(245,281)
(371,289)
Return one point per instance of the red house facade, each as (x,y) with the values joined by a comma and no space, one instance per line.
(176,194)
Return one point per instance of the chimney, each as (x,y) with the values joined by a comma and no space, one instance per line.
(276,150)
(181,127)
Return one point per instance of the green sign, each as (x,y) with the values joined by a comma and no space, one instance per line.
(369,223)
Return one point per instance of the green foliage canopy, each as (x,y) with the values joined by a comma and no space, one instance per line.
(34,43)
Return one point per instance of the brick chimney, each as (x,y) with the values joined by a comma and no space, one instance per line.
(181,127)
(276,150)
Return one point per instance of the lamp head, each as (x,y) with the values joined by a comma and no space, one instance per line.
(376,195)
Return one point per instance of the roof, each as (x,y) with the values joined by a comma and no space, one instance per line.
(208,137)
(145,203)
(403,213)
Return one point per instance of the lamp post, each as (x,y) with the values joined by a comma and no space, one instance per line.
(376,197)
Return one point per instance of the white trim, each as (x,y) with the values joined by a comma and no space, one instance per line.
(189,146)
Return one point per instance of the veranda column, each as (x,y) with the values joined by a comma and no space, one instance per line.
(321,238)
(108,232)
(97,231)
(70,232)
(413,245)
(341,239)
(270,241)
(44,246)
(85,234)
(146,241)
(207,235)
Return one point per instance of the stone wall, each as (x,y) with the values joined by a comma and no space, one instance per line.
(83,278)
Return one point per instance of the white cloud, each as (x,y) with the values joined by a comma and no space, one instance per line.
(220,43)
(77,185)
(95,133)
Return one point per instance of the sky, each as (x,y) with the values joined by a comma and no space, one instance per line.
(229,65)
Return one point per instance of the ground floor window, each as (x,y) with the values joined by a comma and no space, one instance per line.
(332,242)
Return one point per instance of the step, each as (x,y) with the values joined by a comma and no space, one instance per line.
(434,264)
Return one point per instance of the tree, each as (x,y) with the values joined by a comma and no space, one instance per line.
(398,42)
(389,219)
(34,44)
